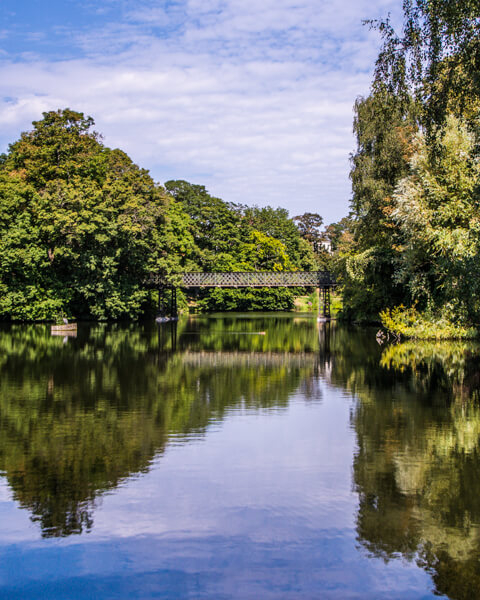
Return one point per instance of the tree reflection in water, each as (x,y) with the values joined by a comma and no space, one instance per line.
(77,418)
(417,421)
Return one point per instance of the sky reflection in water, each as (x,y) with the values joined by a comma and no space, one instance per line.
(141,464)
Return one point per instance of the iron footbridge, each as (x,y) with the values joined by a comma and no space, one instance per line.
(323,280)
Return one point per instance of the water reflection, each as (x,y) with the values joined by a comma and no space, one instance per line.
(77,418)
(80,416)
(416,469)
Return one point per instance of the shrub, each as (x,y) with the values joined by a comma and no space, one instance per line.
(410,323)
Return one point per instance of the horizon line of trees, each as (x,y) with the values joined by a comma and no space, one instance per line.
(82,227)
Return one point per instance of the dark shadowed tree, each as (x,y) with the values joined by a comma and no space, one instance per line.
(309,225)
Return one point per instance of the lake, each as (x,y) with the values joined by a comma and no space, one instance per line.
(237,457)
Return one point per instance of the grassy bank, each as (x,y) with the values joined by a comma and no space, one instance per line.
(309,303)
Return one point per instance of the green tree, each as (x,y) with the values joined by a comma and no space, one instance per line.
(217,226)
(437,211)
(81,226)
(309,225)
(435,58)
(231,237)
(335,231)
(366,266)
(276,223)
(424,75)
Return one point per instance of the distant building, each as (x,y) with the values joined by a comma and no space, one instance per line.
(326,245)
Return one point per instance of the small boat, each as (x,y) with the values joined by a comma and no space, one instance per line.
(64,329)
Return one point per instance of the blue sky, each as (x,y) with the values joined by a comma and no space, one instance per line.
(252,99)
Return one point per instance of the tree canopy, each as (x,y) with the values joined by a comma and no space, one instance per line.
(230,237)
(413,237)
(82,227)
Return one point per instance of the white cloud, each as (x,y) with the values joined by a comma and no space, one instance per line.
(253,101)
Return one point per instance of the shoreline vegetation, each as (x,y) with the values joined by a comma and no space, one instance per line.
(410,248)
(82,226)
(409,323)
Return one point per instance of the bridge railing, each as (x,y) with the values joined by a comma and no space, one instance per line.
(248,279)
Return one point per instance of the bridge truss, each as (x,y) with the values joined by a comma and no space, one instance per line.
(322,280)
(246,279)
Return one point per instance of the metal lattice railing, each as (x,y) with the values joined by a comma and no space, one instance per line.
(248,279)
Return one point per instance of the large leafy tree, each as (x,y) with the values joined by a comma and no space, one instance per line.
(81,225)
(384,128)
(230,237)
(424,75)
(437,212)
(435,58)
(309,225)
(276,223)
(217,227)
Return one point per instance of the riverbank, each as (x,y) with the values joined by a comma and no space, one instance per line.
(410,323)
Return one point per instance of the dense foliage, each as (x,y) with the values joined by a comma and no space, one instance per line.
(414,232)
(82,227)
(231,237)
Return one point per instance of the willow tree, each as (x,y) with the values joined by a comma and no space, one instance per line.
(435,58)
(424,74)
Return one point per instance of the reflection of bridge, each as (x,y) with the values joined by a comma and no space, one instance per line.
(322,280)
(249,359)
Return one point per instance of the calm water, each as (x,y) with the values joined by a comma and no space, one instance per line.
(208,461)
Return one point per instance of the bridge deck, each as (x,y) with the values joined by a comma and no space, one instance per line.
(250,279)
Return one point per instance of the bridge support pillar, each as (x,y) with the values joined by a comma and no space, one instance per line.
(173,303)
(160,307)
(324,305)
(167,308)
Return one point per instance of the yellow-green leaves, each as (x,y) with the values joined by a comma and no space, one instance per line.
(437,208)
